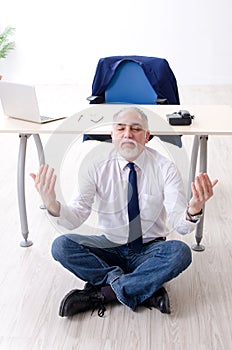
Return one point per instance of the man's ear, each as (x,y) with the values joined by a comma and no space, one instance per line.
(147,136)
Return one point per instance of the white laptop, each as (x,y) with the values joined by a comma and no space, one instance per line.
(20,101)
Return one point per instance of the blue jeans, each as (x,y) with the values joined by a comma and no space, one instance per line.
(134,277)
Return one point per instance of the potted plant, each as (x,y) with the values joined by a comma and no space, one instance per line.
(5,44)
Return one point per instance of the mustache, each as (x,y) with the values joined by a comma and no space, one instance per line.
(128,140)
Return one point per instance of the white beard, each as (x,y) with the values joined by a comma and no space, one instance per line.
(128,152)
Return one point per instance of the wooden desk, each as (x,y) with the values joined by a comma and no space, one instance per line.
(209,120)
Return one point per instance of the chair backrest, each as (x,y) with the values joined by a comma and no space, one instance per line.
(134,80)
(130,85)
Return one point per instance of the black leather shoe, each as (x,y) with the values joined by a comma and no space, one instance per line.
(77,301)
(90,287)
(159,300)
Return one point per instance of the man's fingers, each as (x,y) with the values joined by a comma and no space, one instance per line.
(33,176)
(49,179)
(194,190)
(214,182)
(207,190)
(202,188)
(44,179)
(208,183)
(43,173)
(199,186)
(53,182)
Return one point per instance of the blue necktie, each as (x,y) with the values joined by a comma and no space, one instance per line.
(135,229)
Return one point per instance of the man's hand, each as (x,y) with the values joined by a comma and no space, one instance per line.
(202,190)
(45,181)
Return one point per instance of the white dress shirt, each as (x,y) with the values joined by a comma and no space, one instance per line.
(102,187)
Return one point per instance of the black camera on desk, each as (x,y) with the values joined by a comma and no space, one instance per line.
(182,117)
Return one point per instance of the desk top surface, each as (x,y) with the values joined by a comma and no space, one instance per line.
(208,120)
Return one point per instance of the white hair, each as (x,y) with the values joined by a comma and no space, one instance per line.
(142,115)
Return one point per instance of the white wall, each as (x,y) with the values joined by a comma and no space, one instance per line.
(61,41)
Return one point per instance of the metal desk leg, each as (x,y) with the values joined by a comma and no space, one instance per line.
(193,165)
(21,183)
(39,147)
(41,156)
(203,168)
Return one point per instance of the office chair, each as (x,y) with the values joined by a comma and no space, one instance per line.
(130,85)
(134,80)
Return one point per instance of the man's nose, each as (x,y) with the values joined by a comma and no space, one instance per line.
(127,132)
